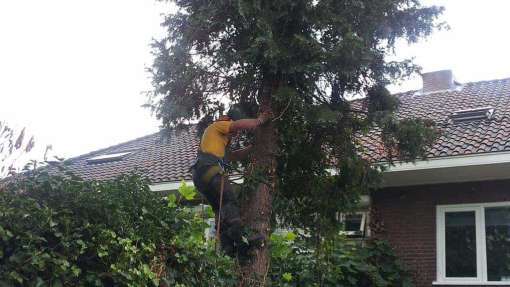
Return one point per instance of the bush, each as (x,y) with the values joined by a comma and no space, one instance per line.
(67,232)
(63,231)
(334,262)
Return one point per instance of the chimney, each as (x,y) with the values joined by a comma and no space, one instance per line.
(438,81)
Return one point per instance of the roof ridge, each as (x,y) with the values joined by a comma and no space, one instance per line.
(485,81)
(413,92)
(112,146)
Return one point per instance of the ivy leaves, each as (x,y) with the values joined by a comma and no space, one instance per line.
(183,192)
(336,261)
(69,234)
(188,192)
(63,231)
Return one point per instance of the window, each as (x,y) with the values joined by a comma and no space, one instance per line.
(473,244)
(107,157)
(354,224)
(497,242)
(476,114)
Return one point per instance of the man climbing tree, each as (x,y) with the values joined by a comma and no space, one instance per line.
(302,61)
(210,179)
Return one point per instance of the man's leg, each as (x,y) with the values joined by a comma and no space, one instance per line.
(205,189)
(231,227)
(230,233)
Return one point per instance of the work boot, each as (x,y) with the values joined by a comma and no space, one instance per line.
(249,244)
(256,240)
(228,249)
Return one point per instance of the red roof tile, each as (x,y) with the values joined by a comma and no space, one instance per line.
(169,160)
(159,159)
(461,138)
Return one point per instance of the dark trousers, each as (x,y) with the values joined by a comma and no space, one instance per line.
(230,232)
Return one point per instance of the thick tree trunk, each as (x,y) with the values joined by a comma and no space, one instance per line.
(257,208)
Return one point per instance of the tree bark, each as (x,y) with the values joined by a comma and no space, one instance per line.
(256,209)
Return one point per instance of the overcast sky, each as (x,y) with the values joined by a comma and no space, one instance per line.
(72,71)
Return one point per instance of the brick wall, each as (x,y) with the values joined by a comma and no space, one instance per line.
(406,217)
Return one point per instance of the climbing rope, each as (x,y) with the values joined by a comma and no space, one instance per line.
(283,111)
(218,228)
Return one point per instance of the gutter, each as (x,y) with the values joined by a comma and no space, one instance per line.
(452,169)
(168,186)
(435,165)
(452,161)
(174,185)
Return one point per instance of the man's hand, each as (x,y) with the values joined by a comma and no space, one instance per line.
(263,118)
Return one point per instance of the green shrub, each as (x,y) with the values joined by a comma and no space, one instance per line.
(63,231)
(334,262)
(68,232)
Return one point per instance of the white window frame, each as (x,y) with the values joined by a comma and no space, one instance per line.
(362,227)
(481,254)
(106,158)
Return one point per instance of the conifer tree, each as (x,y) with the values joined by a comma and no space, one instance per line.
(302,61)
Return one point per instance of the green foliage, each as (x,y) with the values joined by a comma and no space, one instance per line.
(13,144)
(304,59)
(229,48)
(188,192)
(334,262)
(57,231)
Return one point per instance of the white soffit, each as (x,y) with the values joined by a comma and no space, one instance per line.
(168,186)
(171,186)
(486,166)
(479,167)
(453,161)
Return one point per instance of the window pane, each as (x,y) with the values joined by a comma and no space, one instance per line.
(460,245)
(353,222)
(497,232)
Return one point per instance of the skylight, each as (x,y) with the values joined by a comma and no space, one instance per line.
(107,157)
(484,113)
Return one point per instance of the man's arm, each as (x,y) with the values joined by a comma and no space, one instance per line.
(240,154)
(248,124)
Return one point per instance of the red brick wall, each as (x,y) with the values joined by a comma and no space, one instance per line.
(406,217)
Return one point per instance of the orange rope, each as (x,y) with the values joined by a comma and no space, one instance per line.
(219,213)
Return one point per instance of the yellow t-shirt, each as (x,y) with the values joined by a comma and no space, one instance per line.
(215,138)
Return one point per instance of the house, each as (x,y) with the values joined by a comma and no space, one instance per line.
(448,217)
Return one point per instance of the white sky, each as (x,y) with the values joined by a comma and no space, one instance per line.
(476,47)
(72,71)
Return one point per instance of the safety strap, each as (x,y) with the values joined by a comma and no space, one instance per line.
(209,166)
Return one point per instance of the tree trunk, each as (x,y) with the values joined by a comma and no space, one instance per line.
(256,209)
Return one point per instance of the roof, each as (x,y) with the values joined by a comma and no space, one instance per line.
(169,160)
(456,138)
(154,156)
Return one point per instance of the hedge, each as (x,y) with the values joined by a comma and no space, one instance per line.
(64,231)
